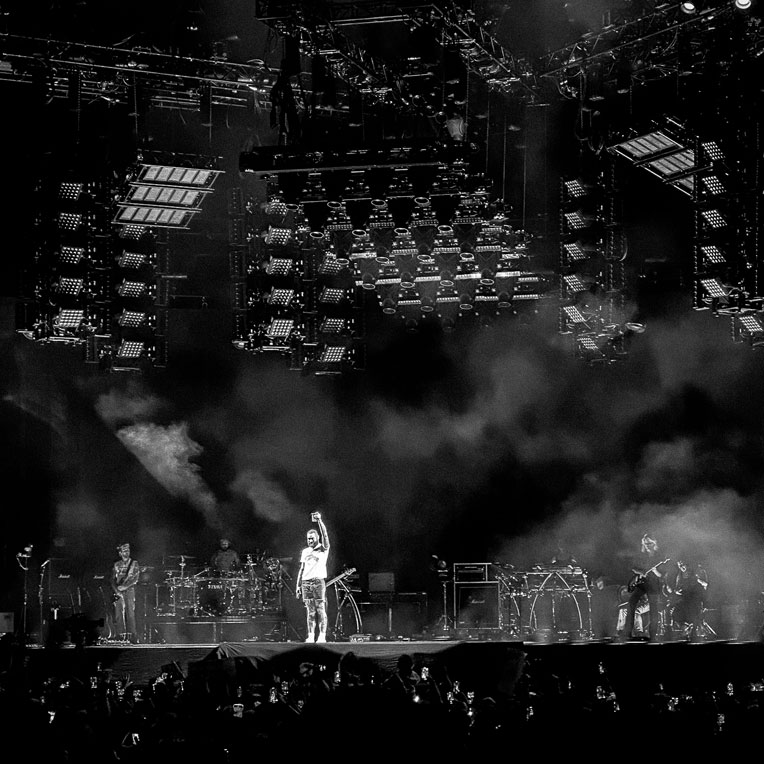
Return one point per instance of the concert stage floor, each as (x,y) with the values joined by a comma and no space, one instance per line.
(487,667)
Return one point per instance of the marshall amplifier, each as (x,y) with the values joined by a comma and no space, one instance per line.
(471,571)
(476,605)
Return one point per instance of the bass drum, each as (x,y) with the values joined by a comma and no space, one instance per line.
(222,596)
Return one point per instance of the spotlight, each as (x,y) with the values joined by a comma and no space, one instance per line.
(688,7)
(743,5)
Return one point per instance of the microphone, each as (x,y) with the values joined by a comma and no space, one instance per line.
(45,563)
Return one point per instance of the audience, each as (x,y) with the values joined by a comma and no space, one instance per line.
(415,709)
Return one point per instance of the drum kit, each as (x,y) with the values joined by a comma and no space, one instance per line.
(253,589)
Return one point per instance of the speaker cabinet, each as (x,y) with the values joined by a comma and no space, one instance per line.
(476,605)
(393,618)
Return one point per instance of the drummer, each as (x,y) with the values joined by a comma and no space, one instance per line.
(226,560)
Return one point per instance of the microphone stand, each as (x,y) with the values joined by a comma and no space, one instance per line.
(22,558)
(40,589)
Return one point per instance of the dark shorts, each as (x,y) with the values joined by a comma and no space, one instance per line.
(313,589)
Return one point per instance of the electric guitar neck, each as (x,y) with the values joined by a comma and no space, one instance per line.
(344,574)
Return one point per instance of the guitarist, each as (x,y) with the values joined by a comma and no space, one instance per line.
(311,579)
(124,576)
(646,581)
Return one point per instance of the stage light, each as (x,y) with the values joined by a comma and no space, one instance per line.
(714,288)
(70,286)
(164,217)
(750,328)
(177,176)
(133,232)
(714,218)
(713,185)
(574,284)
(331,265)
(132,318)
(576,189)
(573,315)
(588,349)
(69,221)
(645,146)
(679,162)
(713,151)
(279,328)
(333,354)
(712,255)
(331,295)
(281,297)
(69,319)
(165,196)
(575,252)
(578,220)
(688,7)
(70,191)
(132,260)
(332,325)
(276,206)
(132,288)
(278,236)
(743,5)
(130,349)
(71,255)
(279,266)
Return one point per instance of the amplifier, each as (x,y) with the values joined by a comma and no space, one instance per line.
(471,571)
(476,605)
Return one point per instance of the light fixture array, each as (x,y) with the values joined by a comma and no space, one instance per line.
(592,275)
(413,244)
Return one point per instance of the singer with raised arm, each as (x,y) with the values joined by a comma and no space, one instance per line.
(311,579)
(646,581)
(124,576)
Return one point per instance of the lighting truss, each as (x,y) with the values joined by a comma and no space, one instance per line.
(646,32)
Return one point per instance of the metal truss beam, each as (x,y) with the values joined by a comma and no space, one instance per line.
(481,53)
(651,37)
(111,74)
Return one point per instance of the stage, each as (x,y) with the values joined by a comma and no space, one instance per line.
(489,668)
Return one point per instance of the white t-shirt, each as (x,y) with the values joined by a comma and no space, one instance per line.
(314,563)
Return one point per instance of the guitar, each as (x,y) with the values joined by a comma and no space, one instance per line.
(344,574)
(639,578)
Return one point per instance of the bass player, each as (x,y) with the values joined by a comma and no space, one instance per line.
(646,581)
